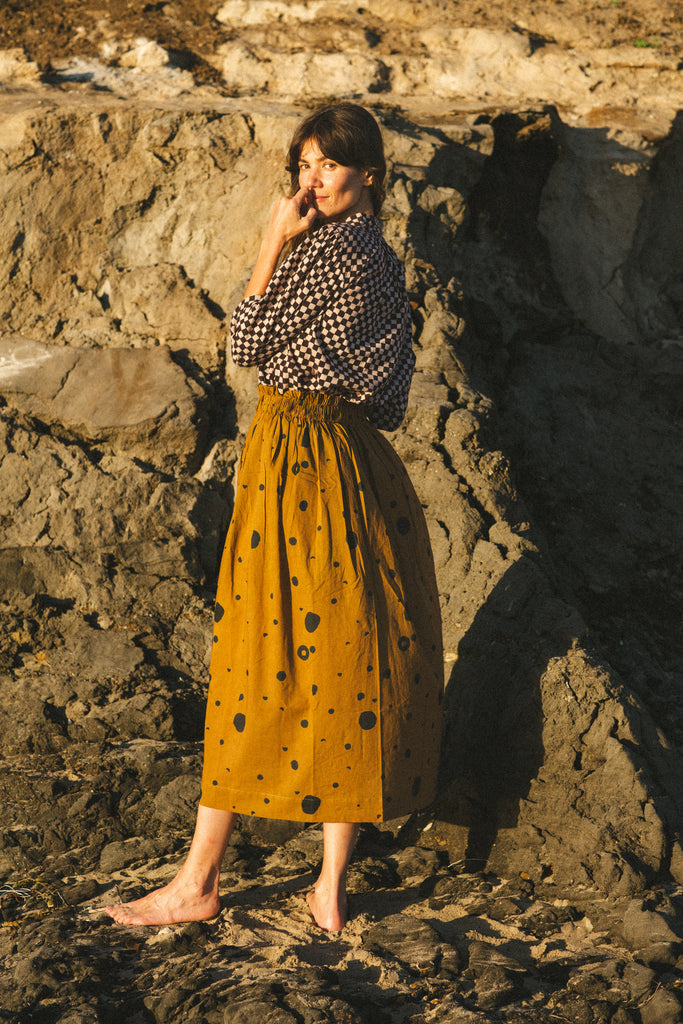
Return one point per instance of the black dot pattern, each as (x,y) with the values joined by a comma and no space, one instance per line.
(324,696)
(367,720)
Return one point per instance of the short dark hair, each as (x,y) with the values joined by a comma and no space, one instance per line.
(347,134)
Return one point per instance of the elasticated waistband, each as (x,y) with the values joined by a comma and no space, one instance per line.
(318,406)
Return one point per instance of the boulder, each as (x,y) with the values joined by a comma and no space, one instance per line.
(134,401)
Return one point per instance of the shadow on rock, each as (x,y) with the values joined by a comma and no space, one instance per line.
(493,745)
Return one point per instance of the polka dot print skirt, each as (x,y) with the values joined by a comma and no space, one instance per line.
(326,673)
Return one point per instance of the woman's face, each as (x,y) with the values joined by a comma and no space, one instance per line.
(336,191)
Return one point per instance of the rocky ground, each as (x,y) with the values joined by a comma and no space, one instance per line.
(536,154)
(427,941)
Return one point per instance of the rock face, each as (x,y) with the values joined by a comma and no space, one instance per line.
(538,436)
(425,54)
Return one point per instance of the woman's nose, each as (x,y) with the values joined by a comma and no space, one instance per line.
(309,178)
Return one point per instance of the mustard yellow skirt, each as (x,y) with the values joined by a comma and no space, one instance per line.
(326,675)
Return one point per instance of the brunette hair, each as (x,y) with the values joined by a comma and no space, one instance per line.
(347,134)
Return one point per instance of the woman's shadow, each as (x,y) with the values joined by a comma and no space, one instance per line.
(493,739)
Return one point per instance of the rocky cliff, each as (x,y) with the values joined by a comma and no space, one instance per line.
(534,197)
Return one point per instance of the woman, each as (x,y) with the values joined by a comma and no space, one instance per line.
(326,675)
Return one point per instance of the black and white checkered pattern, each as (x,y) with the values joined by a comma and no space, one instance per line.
(334,318)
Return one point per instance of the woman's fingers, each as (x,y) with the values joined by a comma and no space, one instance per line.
(304,203)
(309,216)
(292,216)
(306,191)
(304,196)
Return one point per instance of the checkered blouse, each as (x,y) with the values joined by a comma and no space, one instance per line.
(335,318)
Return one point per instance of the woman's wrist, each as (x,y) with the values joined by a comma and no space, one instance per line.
(289,218)
(264,268)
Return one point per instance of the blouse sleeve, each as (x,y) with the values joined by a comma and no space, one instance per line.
(387,407)
(310,281)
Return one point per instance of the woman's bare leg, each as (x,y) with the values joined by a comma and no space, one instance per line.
(193,894)
(328,900)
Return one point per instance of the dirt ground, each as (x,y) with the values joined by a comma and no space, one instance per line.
(51,29)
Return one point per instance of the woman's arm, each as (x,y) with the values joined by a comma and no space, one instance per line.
(289,218)
(308,283)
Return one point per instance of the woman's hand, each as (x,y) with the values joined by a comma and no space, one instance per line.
(289,218)
(292,216)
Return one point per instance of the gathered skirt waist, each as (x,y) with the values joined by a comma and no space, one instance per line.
(306,406)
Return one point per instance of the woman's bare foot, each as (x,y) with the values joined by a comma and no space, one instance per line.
(172,904)
(327,901)
(193,893)
(328,909)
